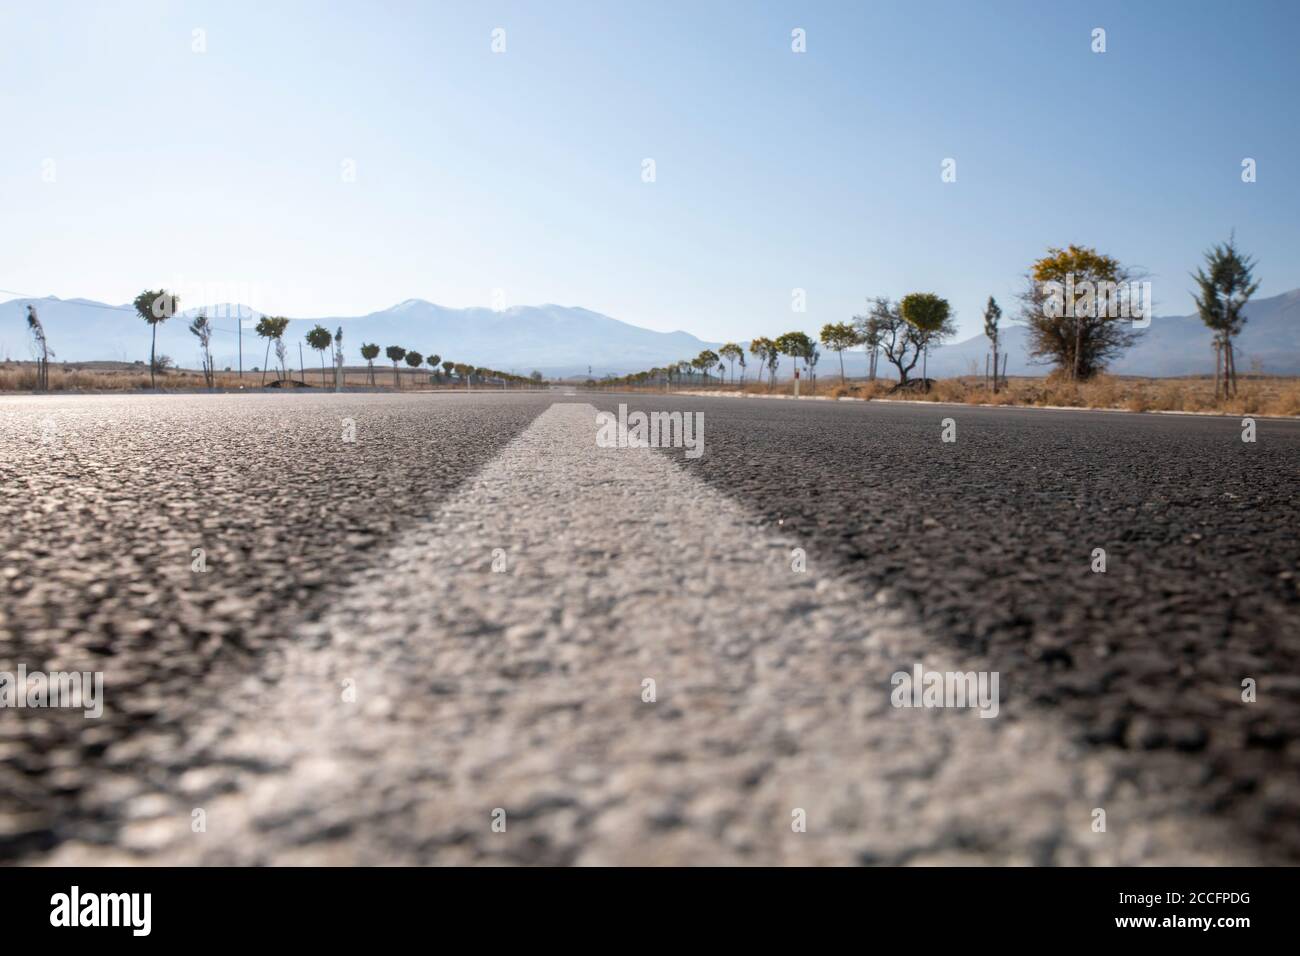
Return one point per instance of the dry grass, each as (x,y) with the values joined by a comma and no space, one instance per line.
(22,378)
(123,377)
(1257,395)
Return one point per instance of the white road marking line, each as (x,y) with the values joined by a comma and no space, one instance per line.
(522,690)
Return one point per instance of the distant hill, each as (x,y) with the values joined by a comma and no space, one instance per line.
(565,340)
(557,340)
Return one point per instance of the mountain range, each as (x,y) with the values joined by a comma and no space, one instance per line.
(565,340)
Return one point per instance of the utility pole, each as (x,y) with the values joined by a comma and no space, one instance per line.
(240,324)
(302,371)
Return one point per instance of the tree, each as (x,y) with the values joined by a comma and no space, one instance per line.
(395,355)
(1073,306)
(839,336)
(432,361)
(319,338)
(414,359)
(42,349)
(897,338)
(992,315)
(370,352)
(447,368)
(931,319)
(1224,287)
(201,329)
(797,345)
(272,328)
(761,347)
(536,377)
(773,360)
(870,333)
(705,361)
(731,352)
(904,342)
(155,307)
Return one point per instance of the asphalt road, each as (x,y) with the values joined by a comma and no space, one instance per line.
(988,542)
(105,499)
(449,623)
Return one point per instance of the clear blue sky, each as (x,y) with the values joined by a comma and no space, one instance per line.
(521,171)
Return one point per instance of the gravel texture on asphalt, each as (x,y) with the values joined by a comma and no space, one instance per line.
(987,541)
(349,681)
(104,500)
(504,679)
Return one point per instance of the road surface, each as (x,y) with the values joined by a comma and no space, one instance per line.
(453,629)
